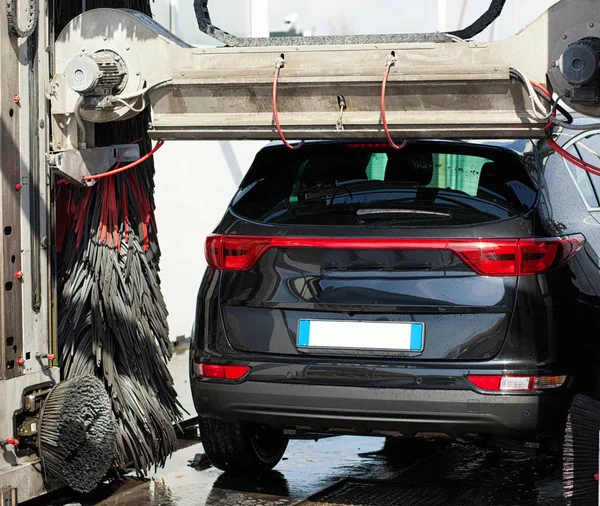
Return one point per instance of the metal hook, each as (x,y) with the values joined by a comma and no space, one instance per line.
(342,104)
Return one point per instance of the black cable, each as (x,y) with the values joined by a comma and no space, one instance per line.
(556,106)
(492,14)
(554,103)
(538,108)
(569,126)
(539,169)
(12,16)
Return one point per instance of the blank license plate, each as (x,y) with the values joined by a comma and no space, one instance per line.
(396,336)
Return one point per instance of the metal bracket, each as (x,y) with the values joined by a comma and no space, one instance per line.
(8,496)
(343,106)
(75,165)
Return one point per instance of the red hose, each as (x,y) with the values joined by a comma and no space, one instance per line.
(127,167)
(578,162)
(276,113)
(543,89)
(386,76)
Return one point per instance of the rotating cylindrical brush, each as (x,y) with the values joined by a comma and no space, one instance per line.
(77,433)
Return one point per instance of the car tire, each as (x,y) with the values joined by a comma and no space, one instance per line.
(242,447)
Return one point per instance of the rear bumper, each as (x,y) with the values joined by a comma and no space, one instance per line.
(361,410)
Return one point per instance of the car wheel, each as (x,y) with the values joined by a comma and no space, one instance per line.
(242,447)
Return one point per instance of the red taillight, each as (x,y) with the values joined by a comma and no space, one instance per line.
(223,372)
(488,257)
(518,257)
(542,255)
(230,253)
(517,383)
(489,383)
(213,250)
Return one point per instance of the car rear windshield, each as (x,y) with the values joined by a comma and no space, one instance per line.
(375,185)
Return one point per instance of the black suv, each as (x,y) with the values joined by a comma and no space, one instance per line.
(447,289)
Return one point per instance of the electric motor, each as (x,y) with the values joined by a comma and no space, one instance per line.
(580,66)
(102,73)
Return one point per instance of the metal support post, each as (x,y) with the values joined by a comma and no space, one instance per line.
(25,285)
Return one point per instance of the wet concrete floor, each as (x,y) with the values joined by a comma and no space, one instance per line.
(346,471)
(342,471)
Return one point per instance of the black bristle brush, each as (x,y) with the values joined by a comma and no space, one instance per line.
(112,319)
(580,452)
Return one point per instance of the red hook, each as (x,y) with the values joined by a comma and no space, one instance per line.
(19,274)
(21,361)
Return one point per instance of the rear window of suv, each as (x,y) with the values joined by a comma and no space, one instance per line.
(375,185)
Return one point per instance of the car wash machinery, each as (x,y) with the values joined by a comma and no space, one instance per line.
(108,65)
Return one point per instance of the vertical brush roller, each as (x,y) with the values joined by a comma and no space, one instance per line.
(112,319)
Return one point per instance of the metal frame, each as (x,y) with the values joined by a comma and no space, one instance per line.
(25,207)
(8,496)
(77,165)
(435,90)
(11,112)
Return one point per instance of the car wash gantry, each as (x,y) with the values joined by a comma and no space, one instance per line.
(110,64)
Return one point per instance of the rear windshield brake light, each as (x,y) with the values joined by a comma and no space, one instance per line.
(370,145)
(487,257)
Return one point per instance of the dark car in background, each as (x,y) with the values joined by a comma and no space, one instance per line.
(445,290)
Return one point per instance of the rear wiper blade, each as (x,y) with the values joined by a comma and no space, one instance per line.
(375,213)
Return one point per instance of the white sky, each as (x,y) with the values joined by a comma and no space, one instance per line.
(397,16)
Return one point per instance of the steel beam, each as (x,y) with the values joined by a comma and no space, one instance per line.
(448,90)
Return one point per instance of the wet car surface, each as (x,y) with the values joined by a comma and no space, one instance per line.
(340,471)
